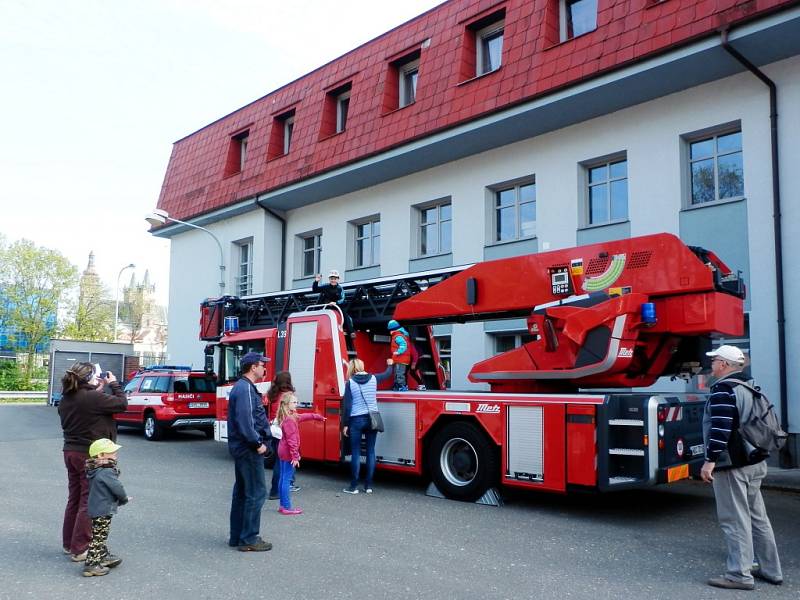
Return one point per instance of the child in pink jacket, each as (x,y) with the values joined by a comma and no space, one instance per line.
(289,448)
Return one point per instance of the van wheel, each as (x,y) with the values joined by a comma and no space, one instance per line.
(462,461)
(153,430)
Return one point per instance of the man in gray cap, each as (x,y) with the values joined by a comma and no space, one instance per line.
(736,475)
(248,436)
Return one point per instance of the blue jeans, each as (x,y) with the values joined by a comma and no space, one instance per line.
(247,500)
(287,476)
(359,426)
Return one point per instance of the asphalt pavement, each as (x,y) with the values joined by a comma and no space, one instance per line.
(396,543)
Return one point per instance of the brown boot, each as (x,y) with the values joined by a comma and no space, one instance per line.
(95,571)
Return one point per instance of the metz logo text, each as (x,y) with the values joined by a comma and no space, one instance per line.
(488,408)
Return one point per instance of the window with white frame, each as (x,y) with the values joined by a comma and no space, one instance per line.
(244,270)
(514,214)
(242,150)
(716,170)
(342,106)
(503,342)
(435,234)
(311,250)
(577,17)
(489,48)
(288,129)
(607,191)
(367,242)
(408,75)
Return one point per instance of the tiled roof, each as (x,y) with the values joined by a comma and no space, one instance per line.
(534,63)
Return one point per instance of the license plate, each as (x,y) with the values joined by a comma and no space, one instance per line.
(697,450)
(198,404)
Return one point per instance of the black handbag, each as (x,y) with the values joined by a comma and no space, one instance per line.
(375,419)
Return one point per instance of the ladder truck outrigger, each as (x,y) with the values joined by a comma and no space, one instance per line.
(559,413)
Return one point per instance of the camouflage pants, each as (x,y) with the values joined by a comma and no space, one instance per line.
(97,547)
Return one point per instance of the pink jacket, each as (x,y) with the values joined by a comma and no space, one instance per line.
(289,446)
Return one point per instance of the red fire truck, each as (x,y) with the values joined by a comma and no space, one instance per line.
(559,414)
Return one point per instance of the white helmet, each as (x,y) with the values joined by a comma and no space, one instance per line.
(334,273)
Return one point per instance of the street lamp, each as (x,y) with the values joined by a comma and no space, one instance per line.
(160,217)
(116,308)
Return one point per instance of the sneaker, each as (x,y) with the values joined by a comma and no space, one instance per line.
(66,550)
(273,496)
(259,546)
(421,388)
(367,490)
(759,575)
(79,557)
(350,490)
(290,511)
(294,488)
(729,584)
(95,571)
(403,388)
(111,561)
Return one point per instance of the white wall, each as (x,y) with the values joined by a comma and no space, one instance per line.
(650,133)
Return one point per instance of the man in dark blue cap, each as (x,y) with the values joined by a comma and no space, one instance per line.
(248,437)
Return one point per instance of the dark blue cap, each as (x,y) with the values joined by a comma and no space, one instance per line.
(252,358)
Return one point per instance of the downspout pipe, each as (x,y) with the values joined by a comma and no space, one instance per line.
(786,459)
(282,220)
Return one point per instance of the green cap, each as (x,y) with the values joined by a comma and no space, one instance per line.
(103,446)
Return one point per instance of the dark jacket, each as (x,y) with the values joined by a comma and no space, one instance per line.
(721,421)
(105,490)
(247,420)
(87,415)
(328,292)
(361,379)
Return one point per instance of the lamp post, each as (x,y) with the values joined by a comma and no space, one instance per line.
(116,303)
(160,217)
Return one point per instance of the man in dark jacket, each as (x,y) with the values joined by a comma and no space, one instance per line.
(737,477)
(248,436)
(332,293)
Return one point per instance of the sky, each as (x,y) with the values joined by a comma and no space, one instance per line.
(94,92)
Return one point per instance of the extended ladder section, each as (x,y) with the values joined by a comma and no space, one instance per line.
(369,303)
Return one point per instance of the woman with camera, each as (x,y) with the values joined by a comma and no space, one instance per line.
(86,415)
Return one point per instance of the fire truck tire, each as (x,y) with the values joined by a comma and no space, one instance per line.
(463,462)
(153,429)
(209,431)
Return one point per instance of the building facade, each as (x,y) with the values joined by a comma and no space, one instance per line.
(484,129)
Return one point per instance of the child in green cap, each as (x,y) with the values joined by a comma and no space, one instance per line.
(105,495)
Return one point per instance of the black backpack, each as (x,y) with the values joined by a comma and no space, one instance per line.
(761,428)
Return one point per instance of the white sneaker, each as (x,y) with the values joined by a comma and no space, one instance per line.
(367,490)
(348,490)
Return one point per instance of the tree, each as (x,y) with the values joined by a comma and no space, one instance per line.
(92,316)
(33,280)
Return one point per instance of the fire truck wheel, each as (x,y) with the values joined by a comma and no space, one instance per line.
(209,431)
(462,461)
(153,430)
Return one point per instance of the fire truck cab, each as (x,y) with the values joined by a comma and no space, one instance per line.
(559,414)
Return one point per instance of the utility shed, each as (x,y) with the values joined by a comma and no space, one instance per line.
(64,353)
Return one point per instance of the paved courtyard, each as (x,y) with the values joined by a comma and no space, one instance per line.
(397,543)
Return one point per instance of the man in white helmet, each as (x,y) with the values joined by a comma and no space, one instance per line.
(736,475)
(332,293)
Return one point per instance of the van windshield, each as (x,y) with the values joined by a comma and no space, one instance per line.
(233,353)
